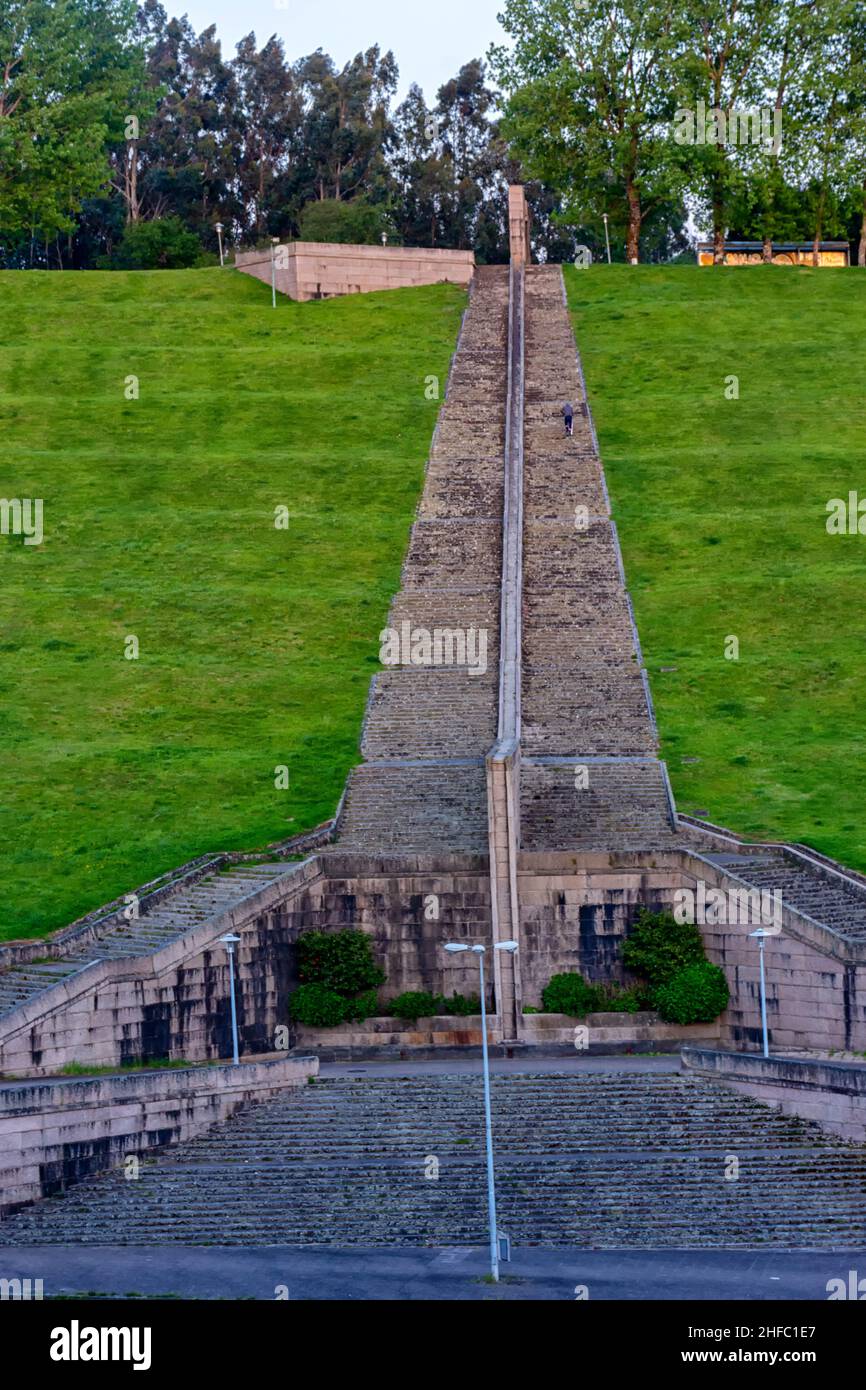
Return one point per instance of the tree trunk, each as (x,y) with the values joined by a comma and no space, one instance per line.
(767,250)
(133,210)
(819,227)
(632,245)
(718,227)
(861,250)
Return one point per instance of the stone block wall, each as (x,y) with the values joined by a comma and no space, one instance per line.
(411,906)
(576,910)
(318,269)
(53,1133)
(833,1094)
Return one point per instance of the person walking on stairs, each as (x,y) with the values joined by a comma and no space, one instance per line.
(568,416)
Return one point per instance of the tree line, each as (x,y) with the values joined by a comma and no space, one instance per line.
(750,113)
(125,136)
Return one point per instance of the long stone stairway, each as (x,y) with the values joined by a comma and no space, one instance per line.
(589,773)
(427,730)
(606,1160)
(191,906)
(585,701)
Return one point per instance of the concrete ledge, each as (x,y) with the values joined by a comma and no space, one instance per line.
(833,1094)
(54,1132)
(610,1032)
(550,1033)
(154,968)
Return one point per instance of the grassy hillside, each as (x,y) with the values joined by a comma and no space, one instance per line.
(722,512)
(256,645)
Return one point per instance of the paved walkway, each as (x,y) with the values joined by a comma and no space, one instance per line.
(503,1066)
(408,1275)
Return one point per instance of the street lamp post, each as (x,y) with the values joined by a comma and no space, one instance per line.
(511,946)
(230,942)
(275,241)
(606,237)
(219,232)
(762,935)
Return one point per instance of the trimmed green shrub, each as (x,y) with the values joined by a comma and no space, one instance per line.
(613,999)
(361,1006)
(341,960)
(659,947)
(317,1007)
(697,994)
(356,220)
(416,1004)
(163,244)
(462,1005)
(569,994)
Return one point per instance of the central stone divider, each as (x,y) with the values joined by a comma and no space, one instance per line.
(503,760)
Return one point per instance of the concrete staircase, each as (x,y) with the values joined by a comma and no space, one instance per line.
(584,694)
(191,906)
(594,1160)
(427,730)
(827,896)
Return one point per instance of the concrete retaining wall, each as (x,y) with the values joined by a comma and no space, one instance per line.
(831,1093)
(54,1132)
(317,269)
(575,911)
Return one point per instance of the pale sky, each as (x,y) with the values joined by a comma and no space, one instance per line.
(430,39)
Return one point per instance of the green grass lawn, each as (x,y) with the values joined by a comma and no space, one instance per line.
(256,645)
(721,506)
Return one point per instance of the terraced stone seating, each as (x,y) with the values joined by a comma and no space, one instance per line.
(607,1160)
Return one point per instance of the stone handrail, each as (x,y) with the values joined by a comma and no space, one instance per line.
(503,760)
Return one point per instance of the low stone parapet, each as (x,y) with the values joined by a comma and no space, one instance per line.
(319,269)
(603,1032)
(833,1094)
(54,1132)
(613,1032)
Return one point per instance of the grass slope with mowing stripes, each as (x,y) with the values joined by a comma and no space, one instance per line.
(721,506)
(256,644)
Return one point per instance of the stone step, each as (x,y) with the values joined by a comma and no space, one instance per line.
(598,1159)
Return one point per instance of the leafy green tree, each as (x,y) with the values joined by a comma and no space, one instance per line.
(589,105)
(347,126)
(359,222)
(190,157)
(71,74)
(725,65)
(420,173)
(269,119)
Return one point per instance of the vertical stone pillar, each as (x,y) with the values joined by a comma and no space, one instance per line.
(518,225)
